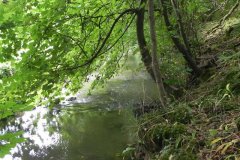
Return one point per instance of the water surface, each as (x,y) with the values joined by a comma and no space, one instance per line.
(90,127)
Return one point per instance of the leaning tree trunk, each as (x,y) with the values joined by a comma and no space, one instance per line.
(180,25)
(144,51)
(155,64)
(185,52)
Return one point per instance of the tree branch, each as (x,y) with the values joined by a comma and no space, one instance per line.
(144,51)
(180,24)
(96,54)
(187,56)
(225,17)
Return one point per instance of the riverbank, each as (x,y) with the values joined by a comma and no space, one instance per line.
(204,123)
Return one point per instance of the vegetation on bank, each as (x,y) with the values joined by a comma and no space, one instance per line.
(191,49)
(204,122)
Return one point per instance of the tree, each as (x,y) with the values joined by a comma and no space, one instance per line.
(57,44)
(155,65)
(183,48)
(54,44)
(144,51)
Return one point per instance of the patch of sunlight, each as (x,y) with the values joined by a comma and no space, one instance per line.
(231,22)
(35,125)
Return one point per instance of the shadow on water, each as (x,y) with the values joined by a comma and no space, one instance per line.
(96,127)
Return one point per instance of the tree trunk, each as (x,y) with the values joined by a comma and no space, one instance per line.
(155,64)
(180,25)
(145,54)
(186,54)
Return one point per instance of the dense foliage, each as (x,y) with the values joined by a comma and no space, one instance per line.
(48,49)
(54,44)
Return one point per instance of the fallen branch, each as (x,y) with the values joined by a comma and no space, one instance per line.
(221,22)
(222,5)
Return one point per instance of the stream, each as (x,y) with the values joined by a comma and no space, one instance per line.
(89,127)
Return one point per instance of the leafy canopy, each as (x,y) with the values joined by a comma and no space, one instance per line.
(56,44)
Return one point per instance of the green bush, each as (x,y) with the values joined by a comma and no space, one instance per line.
(181,114)
(156,137)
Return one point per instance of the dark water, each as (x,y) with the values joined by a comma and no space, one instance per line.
(96,127)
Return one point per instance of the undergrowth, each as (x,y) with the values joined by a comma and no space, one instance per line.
(203,125)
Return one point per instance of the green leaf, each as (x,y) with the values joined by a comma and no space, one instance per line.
(213,132)
(9,141)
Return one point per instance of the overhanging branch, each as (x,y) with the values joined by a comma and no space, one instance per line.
(97,53)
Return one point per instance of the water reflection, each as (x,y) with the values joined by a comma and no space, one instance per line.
(97,135)
(96,127)
(77,135)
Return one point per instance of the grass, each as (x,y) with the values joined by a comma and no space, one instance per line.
(204,124)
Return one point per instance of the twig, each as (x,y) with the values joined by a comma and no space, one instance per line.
(222,5)
(225,17)
(96,54)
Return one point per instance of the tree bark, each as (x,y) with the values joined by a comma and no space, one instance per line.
(145,54)
(186,54)
(180,24)
(155,64)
